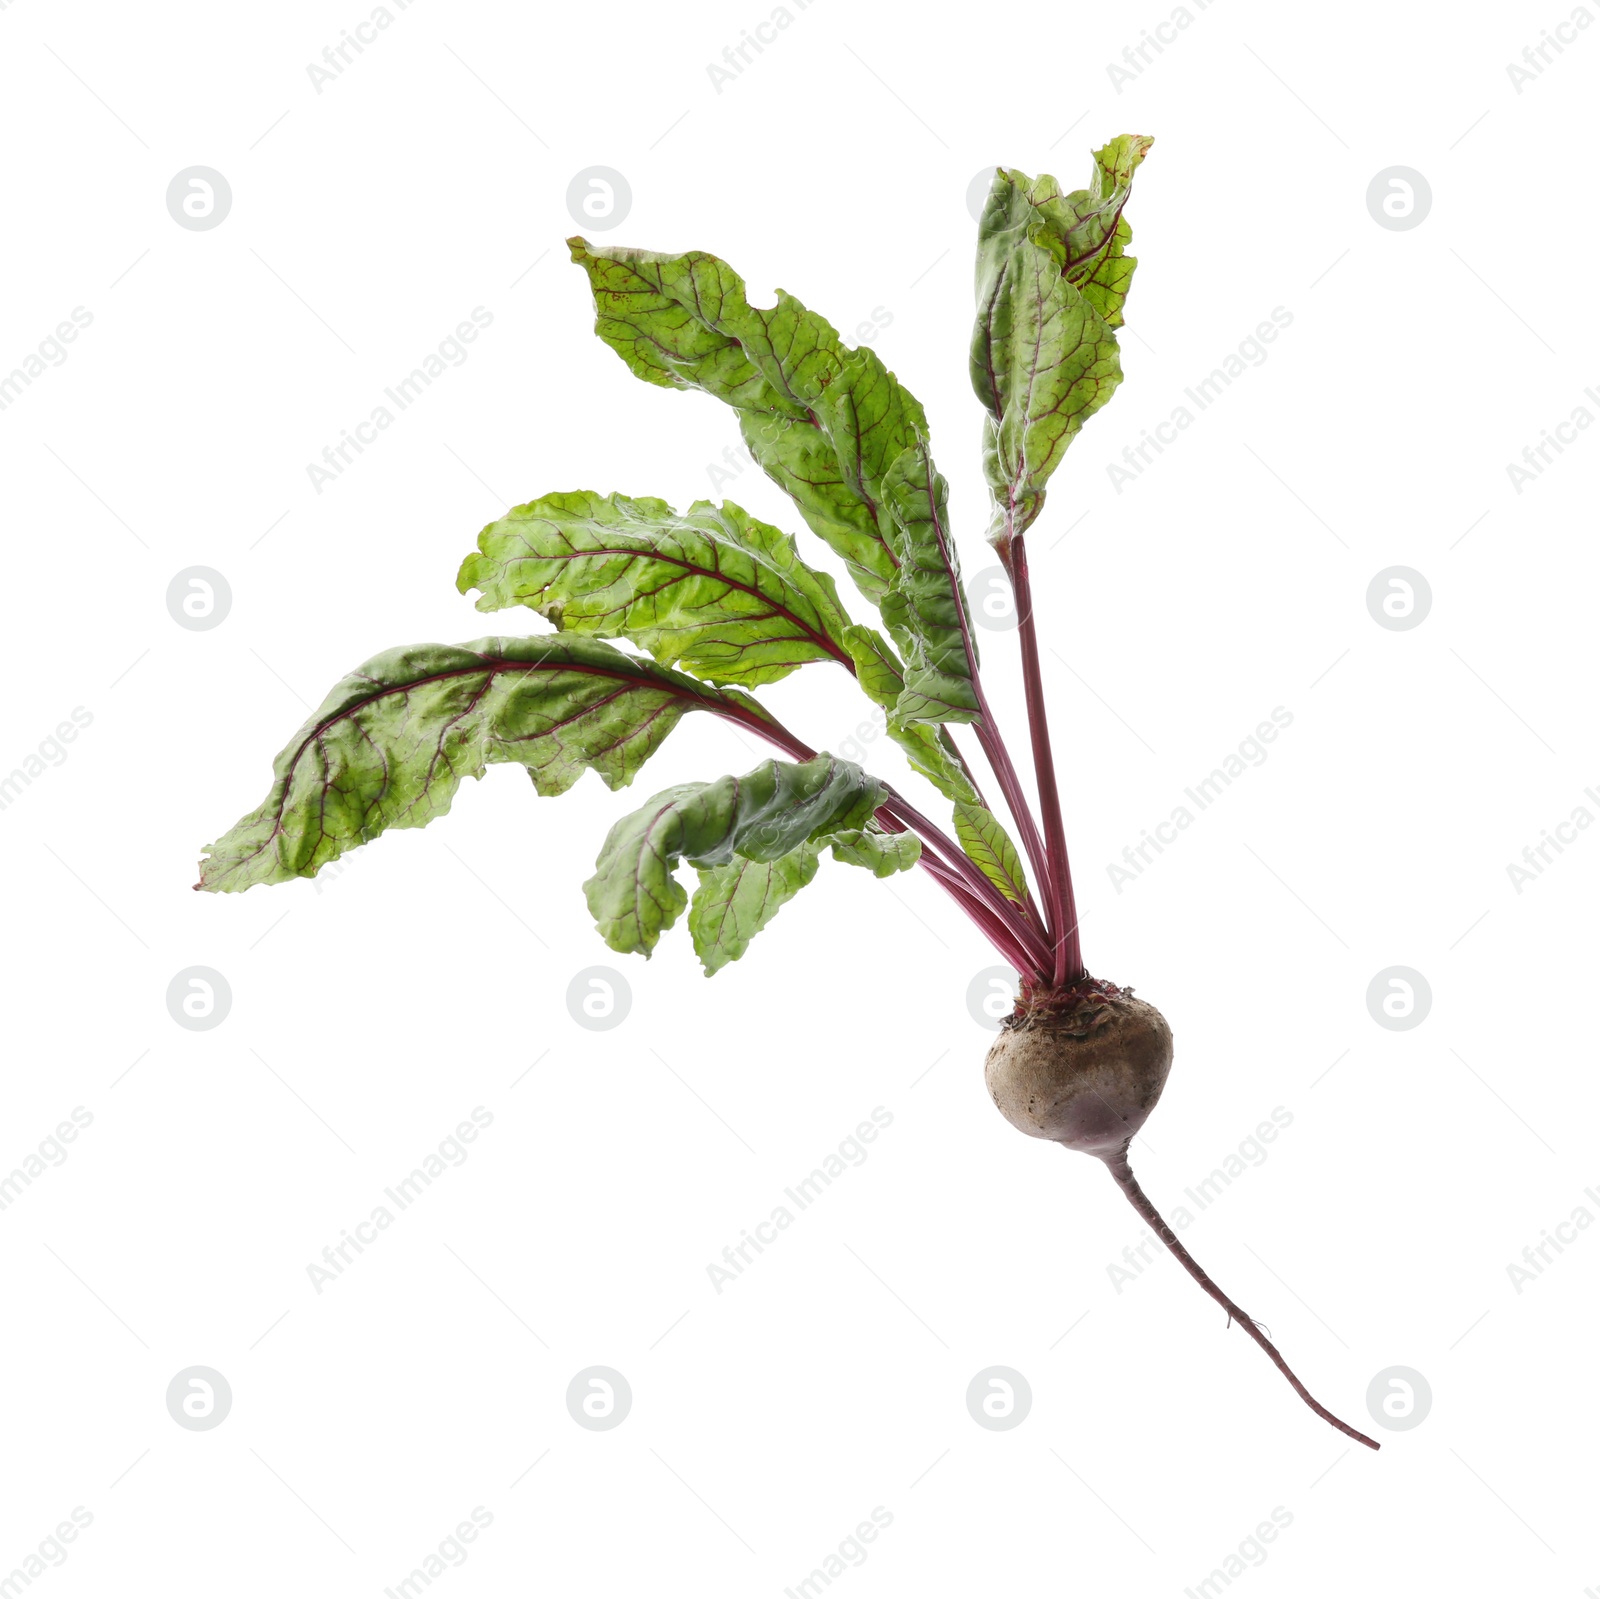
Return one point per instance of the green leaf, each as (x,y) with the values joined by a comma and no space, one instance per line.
(826,422)
(882,853)
(390,745)
(714,591)
(1055,363)
(878,669)
(928,601)
(980,834)
(760,817)
(1052,277)
(928,747)
(736,900)
(1084,230)
(932,752)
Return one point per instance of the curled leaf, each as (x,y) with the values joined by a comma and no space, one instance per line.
(1052,276)
(883,854)
(762,816)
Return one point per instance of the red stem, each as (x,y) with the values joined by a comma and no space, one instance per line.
(957,860)
(1068,955)
(1021,943)
(999,758)
(1028,905)
(1120,1169)
(988,734)
(998,933)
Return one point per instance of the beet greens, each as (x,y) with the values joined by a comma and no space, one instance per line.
(720,603)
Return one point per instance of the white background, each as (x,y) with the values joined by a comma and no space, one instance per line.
(372,1010)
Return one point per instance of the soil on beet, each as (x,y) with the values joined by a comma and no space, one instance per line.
(1085,1074)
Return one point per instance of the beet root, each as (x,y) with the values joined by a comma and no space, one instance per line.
(1086,1077)
(1085,1069)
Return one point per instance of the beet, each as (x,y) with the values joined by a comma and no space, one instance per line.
(1084,1068)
